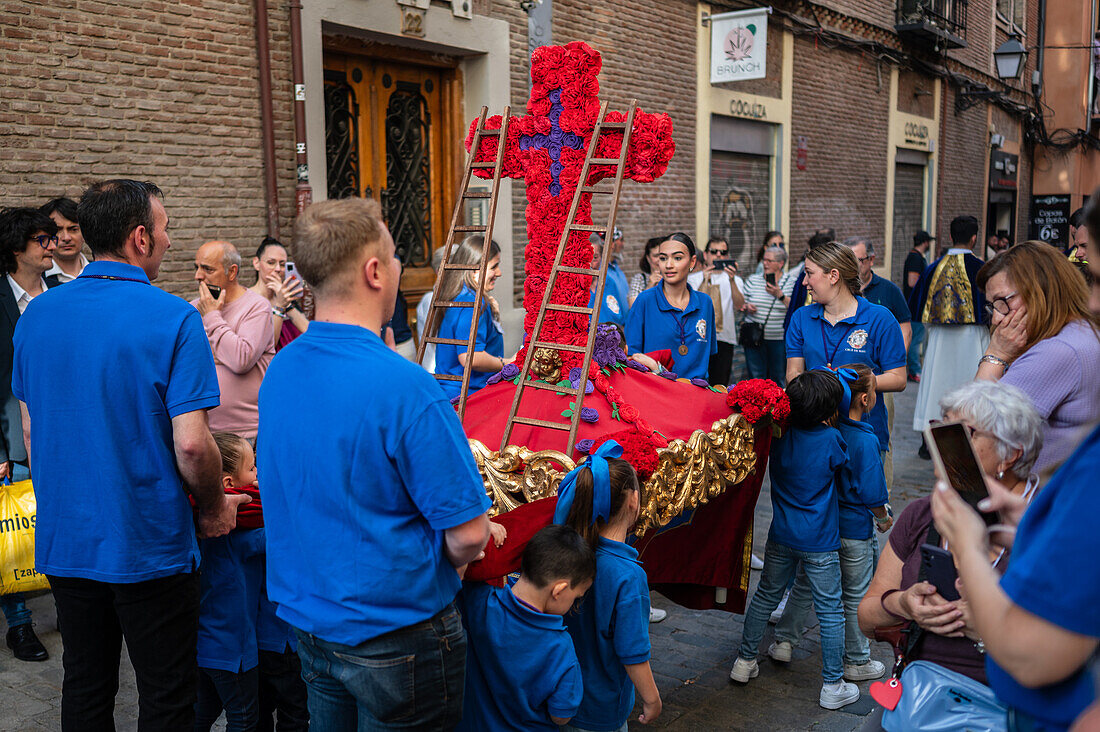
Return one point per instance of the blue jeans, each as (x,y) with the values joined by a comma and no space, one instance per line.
(237,693)
(409,678)
(781,563)
(913,358)
(857,566)
(769,361)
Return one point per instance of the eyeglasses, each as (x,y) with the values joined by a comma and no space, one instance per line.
(1000,305)
(723,251)
(45,240)
(771,261)
(864,259)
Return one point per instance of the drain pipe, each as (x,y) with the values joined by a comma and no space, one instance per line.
(266,114)
(303,192)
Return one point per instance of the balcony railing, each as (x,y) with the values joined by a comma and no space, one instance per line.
(942,22)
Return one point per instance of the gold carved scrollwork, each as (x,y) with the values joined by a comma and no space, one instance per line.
(688,473)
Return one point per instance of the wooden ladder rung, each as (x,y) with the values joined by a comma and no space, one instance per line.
(588,227)
(551,387)
(448,304)
(612,126)
(483,166)
(542,423)
(479,229)
(570,308)
(447,377)
(578,270)
(594,189)
(478,194)
(446,341)
(604,161)
(486,132)
(470,267)
(557,346)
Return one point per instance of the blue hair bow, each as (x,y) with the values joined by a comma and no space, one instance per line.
(601,484)
(846,377)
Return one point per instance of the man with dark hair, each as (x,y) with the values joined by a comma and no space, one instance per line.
(28,239)
(947,300)
(116,533)
(69,260)
(915,263)
(380,490)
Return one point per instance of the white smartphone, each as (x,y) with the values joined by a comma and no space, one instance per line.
(292,271)
(955,461)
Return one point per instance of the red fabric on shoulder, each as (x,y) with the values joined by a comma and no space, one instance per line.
(663,357)
(522,523)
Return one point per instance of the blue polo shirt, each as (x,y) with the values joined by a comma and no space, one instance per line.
(232,579)
(111,505)
(654,324)
(355,512)
(610,631)
(1055,543)
(862,484)
(456,324)
(872,336)
(881,291)
(805,464)
(521,668)
(615,298)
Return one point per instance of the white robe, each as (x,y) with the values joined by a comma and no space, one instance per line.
(951,360)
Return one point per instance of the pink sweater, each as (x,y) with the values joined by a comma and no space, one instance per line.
(243,341)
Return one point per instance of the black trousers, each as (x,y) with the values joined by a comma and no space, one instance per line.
(721,364)
(159,620)
(283,691)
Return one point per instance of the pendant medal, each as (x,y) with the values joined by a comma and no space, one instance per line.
(683,349)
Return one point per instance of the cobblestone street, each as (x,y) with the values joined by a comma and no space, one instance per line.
(692,651)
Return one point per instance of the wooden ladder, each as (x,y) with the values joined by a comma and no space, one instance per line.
(599,273)
(437,307)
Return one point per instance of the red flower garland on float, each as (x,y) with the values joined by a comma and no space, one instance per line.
(546,147)
(756,399)
(638,450)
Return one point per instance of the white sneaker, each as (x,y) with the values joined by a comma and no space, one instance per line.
(781,651)
(837,695)
(777,614)
(865,671)
(756,562)
(744,670)
(656,615)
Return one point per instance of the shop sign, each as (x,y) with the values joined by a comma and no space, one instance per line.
(739,45)
(748,108)
(1049,218)
(1002,171)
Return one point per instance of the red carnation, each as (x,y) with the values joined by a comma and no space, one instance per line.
(638,450)
(759,398)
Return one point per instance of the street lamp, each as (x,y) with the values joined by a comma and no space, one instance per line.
(1010,57)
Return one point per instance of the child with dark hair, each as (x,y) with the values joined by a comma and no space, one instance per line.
(862,496)
(805,530)
(521,670)
(600,500)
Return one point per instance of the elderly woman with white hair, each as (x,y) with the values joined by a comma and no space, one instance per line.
(766,297)
(1007,434)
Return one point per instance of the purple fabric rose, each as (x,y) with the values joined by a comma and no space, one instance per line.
(494,379)
(454,400)
(555,115)
(589,415)
(573,140)
(510,371)
(555,189)
(701,382)
(575,375)
(670,375)
(555,96)
(524,143)
(557,134)
(637,366)
(609,345)
(555,167)
(585,446)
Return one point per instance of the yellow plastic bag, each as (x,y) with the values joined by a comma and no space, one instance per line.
(18,511)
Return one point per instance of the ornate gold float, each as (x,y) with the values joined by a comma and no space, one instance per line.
(688,473)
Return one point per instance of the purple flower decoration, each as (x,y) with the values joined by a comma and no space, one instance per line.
(575,375)
(609,345)
(557,134)
(572,140)
(637,366)
(555,97)
(454,400)
(701,382)
(585,446)
(510,371)
(670,375)
(556,168)
(524,143)
(590,415)
(494,379)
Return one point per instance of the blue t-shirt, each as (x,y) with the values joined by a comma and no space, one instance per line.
(805,464)
(111,505)
(615,298)
(355,512)
(1055,543)
(521,668)
(610,631)
(456,324)
(653,325)
(884,293)
(862,483)
(232,580)
(872,337)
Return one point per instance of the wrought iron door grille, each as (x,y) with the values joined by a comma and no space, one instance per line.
(341,136)
(407,198)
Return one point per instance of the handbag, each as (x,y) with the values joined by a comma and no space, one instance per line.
(751,333)
(936,698)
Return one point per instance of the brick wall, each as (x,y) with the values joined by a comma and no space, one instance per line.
(964,146)
(155,90)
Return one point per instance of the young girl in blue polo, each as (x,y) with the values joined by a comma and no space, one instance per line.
(674,315)
(461,286)
(805,531)
(600,500)
(862,497)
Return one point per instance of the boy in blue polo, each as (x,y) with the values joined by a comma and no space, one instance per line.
(522,672)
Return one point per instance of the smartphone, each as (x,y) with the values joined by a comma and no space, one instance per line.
(723,263)
(214,291)
(955,461)
(292,271)
(939,570)
(770,278)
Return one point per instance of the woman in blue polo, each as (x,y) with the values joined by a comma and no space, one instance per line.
(842,327)
(461,286)
(674,315)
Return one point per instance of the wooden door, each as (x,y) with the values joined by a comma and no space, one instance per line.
(391,134)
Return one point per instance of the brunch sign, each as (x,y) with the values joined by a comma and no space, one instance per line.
(739,45)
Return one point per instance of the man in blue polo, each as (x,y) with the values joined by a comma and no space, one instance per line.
(616,291)
(114,455)
(379,501)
